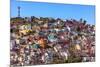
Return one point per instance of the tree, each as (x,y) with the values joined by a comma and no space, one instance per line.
(81,20)
(84,22)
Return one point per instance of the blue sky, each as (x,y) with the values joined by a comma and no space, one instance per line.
(63,11)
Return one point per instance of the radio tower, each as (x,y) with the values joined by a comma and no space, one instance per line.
(18,11)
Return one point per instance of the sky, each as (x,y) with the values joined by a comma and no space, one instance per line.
(55,10)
